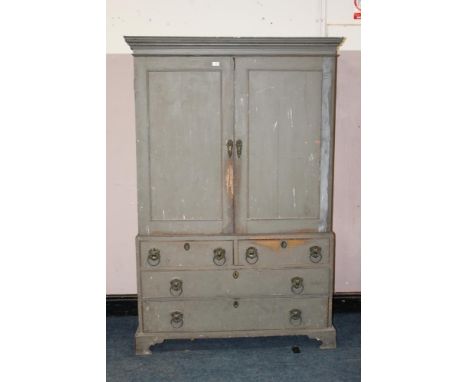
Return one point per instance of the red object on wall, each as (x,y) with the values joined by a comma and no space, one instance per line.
(357,5)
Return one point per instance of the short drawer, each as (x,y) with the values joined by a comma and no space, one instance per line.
(284,252)
(235,314)
(172,254)
(236,283)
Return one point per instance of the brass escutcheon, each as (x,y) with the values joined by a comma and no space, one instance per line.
(176,287)
(177,319)
(251,255)
(219,257)
(295,317)
(315,254)
(154,257)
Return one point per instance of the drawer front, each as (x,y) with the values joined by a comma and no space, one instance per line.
(236,283)
(284,252)
(235,314)
(172,254)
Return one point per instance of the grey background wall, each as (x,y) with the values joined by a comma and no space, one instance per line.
(228,18)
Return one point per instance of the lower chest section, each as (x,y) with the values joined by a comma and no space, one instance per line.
(260,283)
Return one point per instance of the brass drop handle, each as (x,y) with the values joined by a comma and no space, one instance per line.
(219,257)
(154,257)
(177,320)
(315,254)
(297,285)
(251,255)
(176,287)
(230,145)
(239,148)
(295,317)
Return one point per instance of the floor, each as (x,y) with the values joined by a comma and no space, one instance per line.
(246,359)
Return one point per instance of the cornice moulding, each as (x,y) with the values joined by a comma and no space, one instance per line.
(303,46)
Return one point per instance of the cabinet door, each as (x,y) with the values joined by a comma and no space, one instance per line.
(284,118)
(184,108)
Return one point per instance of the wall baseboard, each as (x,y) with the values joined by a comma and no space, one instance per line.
(126,304)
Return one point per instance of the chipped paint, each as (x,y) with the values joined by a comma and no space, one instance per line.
(290,117)
(229,179)
(264,89)
(275,245)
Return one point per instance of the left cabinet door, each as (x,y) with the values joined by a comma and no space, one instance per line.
(184,121)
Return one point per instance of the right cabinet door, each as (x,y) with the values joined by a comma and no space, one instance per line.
(284,120)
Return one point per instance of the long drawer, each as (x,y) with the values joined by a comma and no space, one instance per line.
(224,314)
(237,283)
(284,252)
(162,254)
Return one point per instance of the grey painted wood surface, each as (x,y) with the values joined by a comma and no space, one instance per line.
(221,314)
(271,195)
(249,282)
(174,255)
(283,118)
(183,121)
(297,252)
(235,46)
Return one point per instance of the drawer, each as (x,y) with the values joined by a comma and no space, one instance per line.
(235,314)
(235,283)
(284,252)
(172,254)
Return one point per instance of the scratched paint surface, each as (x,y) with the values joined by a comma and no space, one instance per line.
(185,158)
(275,245)
(284,137)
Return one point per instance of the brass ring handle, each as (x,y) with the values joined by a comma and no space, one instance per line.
(297,285)
(176,287)
(219,257)
(251,255)
(315,254)
(177,320)
(239,148)
(230,145)
(295,317)
(154,257)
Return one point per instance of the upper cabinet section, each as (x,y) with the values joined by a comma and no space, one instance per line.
(233,46)
(234,135)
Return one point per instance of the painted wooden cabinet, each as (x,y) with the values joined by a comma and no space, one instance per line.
(235,165)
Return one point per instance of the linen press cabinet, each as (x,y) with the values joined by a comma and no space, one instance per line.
(235,174)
